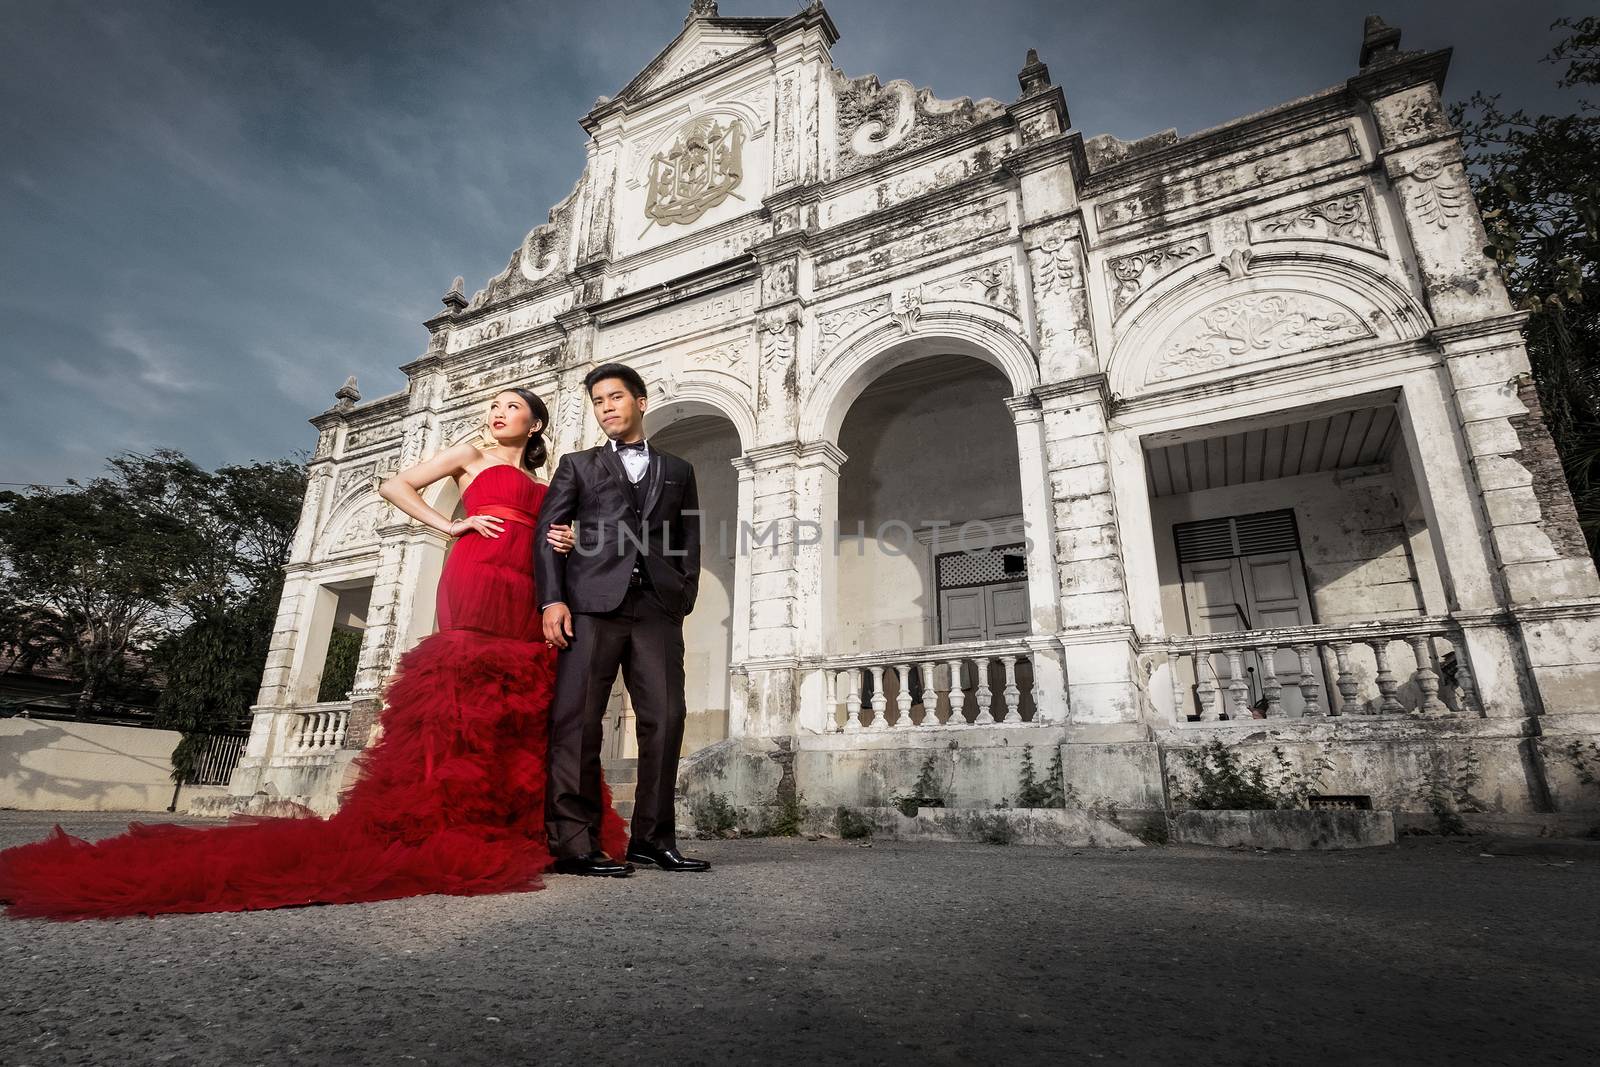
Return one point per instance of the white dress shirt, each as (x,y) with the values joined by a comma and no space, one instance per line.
(635,461)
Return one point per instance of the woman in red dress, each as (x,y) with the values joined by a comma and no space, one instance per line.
(450,799)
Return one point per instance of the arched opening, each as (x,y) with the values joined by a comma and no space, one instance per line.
(931,548)
(709,441)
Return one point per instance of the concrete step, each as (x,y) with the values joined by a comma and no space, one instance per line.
(622,791)
(618,771)
(623,808)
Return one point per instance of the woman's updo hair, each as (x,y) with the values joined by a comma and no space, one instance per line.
(537,451)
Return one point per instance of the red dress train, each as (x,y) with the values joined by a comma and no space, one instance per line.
(449,800)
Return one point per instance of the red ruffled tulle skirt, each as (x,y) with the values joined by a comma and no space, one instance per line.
(449,800)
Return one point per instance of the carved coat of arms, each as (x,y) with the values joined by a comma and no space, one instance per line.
(701,170)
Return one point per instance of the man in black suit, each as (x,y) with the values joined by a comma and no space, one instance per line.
(618,599)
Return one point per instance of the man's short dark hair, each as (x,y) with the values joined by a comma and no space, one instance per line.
(627,374)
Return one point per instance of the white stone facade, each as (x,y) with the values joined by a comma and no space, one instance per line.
(1250,404)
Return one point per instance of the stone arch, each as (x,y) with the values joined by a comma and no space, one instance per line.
(697,396)
(352,527)
(885,345)
(1289,303)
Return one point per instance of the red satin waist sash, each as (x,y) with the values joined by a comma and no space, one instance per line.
(506,511)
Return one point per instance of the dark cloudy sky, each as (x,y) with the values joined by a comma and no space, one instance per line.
(211,212)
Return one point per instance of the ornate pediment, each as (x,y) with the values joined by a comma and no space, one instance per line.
(705,41)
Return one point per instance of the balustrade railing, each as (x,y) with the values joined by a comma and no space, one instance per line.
(1273,674)
(954,685)
(317,729)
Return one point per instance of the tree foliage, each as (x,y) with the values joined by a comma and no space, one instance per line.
(1537,179)
(157,562)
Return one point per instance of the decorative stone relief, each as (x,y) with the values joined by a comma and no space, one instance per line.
(1038,127)
(1437,197)
(360,475)
(1346,218)
(693,316)
(512,322)
(360,529)
(362,436)
(700,170)
(514,371)
(905,307)
(877,120)
(698,59)
(788,115)
(464,428)
(777,281)
(1412,115)
(1132,274)
(872,254)
(324,445)
(1061,304)
(777,337)
(1253,327)
(1155,199)
(990,284)
(1236,264)
(837,324)
(729,356)
(544,253)
(568,414)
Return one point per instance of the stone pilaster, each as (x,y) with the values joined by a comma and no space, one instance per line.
(1104,681)
(1060,301)
(1050,697)
(789,539)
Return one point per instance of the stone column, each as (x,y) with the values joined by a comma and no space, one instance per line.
(1460,532)
(789,539)
(1104,681)
(1050,690)
(738,724)
(1543,572)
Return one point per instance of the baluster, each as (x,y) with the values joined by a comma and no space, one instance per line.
(314,732)
(1180,713)
(983,718)
(1387,684)
(852,702)
(1427,677)
(326,730)
(1310,680)
(880,702)
(1010,694)
(903,698)
(1469,691)
(1214,712)
(1238,688)
(1348,705)
(341,723)
(1270,686)
(958,697)
(930,695)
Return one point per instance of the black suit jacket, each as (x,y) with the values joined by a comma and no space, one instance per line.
(591,489)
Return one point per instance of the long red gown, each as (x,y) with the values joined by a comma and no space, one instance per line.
(449,800)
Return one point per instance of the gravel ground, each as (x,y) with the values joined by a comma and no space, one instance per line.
(794,951)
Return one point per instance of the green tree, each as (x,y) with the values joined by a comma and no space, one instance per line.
(1537,179)
(87,576)
(241,522)
(159,557)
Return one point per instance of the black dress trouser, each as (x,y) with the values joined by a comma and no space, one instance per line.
(646,640)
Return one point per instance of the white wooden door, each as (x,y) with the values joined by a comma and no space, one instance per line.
(1257,592)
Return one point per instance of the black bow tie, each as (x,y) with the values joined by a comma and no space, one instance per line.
(637,446)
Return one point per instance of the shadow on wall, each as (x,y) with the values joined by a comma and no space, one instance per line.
(75,766)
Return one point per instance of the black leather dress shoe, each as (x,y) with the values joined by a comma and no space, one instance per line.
(667,859)
(595,863)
